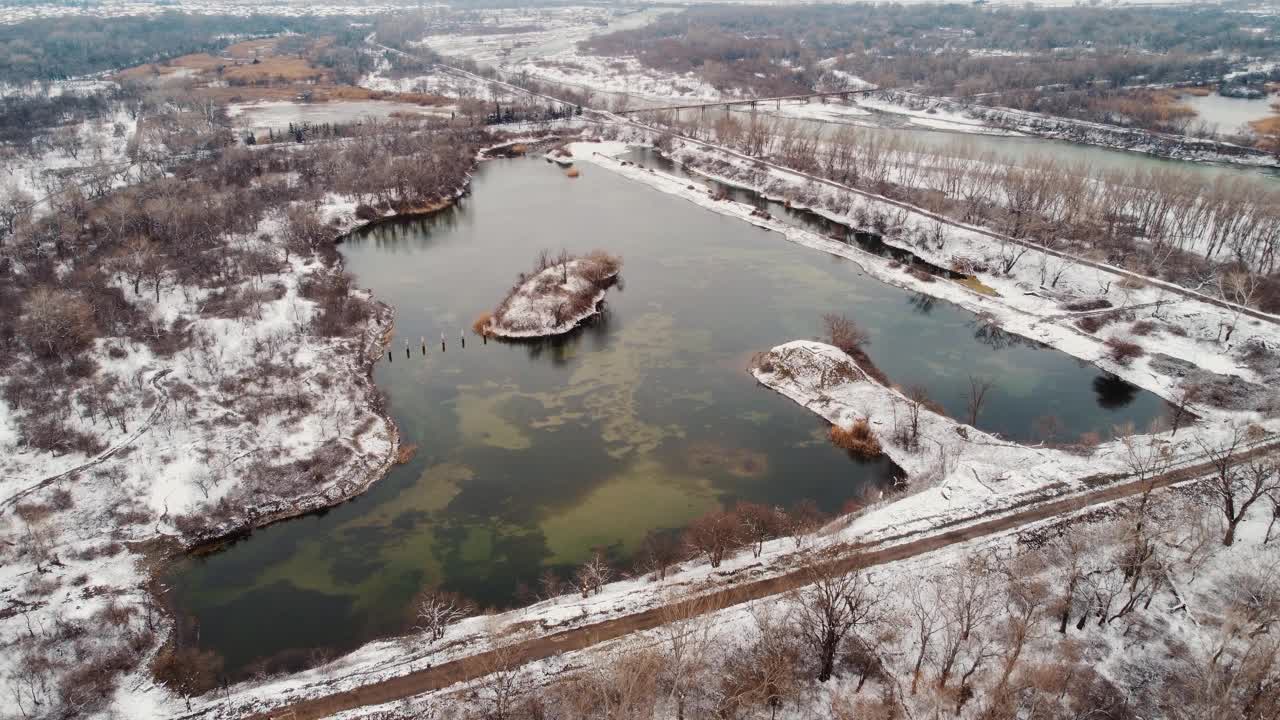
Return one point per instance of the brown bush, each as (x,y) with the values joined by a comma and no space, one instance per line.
(599,267)
(190,671)
(406,453)
(857,439)
(845,334)
(56,322)
(49,435)
(1124,351)
(1087,304)
(366,212)
(481,324)
(1143,328)
(1092,323)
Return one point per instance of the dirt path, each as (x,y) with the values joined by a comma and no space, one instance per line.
(469,668)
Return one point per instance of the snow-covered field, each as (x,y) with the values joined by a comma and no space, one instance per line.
(215,438)
(279,114)
(16,13)
(95,149)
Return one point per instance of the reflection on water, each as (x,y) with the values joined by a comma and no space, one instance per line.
(532,455)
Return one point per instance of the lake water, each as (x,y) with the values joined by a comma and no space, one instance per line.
(531,455)
(1229,114)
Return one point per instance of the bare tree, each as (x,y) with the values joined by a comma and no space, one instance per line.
(764,673)
(1186,395)
(924,623)
(759,523)
(832,604)
(56,322)
(659,552)
(593,574)
(977,397)
(436,610)
(803,518)
(845,334)
(966,601)
(1236,489)
(715,535)
(687,655)
(1025,597)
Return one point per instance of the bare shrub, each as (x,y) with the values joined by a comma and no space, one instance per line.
(764,674)
(715,535)
(190,671)
(857,439)
(1087,304)
(56,322)
(1092,323)
(436,610)
(845,334)
(1143,328)
(660,552)
(1124,351)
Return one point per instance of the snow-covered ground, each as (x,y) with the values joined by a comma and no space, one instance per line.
(19,12)
(959,477)
(278,114)
(217,437)
(1200,596)
(556,299)
(442,83)
(96,149)
(623,76)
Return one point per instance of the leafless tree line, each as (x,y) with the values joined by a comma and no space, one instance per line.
(1162,222)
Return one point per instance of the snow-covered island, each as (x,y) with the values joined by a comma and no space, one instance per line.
(555,298)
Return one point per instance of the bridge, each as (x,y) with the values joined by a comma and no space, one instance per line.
(726,104)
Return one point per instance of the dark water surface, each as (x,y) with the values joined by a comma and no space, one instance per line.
(530,455)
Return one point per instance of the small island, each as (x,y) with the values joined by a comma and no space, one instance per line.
(555,298)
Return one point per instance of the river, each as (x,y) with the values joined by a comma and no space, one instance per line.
(532,455)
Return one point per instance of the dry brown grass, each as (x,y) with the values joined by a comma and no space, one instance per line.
(406,453)
(250,49)
(857,439)
(274,70)
(1269,129)
(481,325)
(572,172)
(1124,351)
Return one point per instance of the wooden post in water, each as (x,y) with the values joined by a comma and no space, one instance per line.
(388,356)
(407,354)
(441,341)
(462,335)
(423,340)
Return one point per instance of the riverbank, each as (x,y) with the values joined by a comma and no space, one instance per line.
(951,115)
(1033,299)
(976,483)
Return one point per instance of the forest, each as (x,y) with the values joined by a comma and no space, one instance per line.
(1222,235)
(55,49)
(963,50)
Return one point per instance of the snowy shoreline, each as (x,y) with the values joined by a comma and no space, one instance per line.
(555,299)
(966,478)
